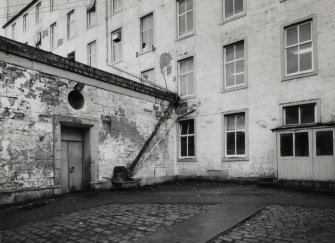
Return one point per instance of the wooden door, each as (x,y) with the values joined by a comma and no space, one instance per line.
(323,156)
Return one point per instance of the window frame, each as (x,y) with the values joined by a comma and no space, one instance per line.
(112,51)
(294,132)
(38,15)
(314,36)
(231,158)
(223,50)
(324,129)
(152,48)
(112,7)
(189,96)
(89,54)
(179,37)
(53,36)
(282,115)
(89,18)
(188,158)
(13,31)
(25,20)
(147,70)
(68,24)
(236,16)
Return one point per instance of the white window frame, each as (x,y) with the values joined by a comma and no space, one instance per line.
(13,30)
(53,36)
(186,158)
(235,132)
(119,44)
(71,35)
(225,87)
(119,7)
(310,143)
(52,5)
(184,74)
(91,17)
(38,14)
(317,111)
(91,56)
(145,32)
(25,22)
(178,24)
(149,70)
(234,16)
(298,44)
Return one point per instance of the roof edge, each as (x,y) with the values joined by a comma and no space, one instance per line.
(53,60)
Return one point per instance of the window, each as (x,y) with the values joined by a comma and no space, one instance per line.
(71,56)
(71,25)
(300,114)
(92,56)
(53,36)
(91,17)
(25,22)
(233,8)
(52,5)
(38,16)
(234,72)
(149,75)
(14,31)
(299,48)
(185,17)
(294,144)
(235,135)
(186,139)
(116,6)
(117,46)
(186,77)
(147,32)
(324,143)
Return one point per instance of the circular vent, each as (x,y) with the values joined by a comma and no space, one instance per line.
(76,100)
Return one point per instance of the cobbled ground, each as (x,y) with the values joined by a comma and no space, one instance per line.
(110,223)
(285,224)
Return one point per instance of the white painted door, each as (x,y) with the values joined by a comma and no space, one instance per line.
(323,156)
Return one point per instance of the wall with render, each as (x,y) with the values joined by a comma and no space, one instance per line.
(30,101)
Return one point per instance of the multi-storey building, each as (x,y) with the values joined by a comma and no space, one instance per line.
(258,74)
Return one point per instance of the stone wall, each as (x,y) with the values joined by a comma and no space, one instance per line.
(32,101)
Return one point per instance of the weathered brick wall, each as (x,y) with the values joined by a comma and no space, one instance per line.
(29,101)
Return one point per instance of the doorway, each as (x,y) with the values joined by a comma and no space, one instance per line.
(72,165)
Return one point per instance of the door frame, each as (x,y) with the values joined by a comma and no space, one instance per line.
(90,150)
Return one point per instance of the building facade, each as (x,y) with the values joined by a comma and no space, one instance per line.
(258,74)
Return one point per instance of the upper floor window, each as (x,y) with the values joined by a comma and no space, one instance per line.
(71,25)
(92,53)
(14,31)
(53,36)
(91,17)
(235,135)
(147,32)
(116,6)
(234,72)
(117,46)
(186,77)
(299,48)
(71,56)
(299,114)
(185,18)
(186,139)
(52,5)
(25,22)
(149,75)
(233,8)
(38,15)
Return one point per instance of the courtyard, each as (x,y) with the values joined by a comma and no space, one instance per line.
(175,212)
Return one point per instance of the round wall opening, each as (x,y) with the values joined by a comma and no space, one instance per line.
(76,99)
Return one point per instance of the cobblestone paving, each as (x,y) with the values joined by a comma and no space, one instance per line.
(111,223)
(285,224)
